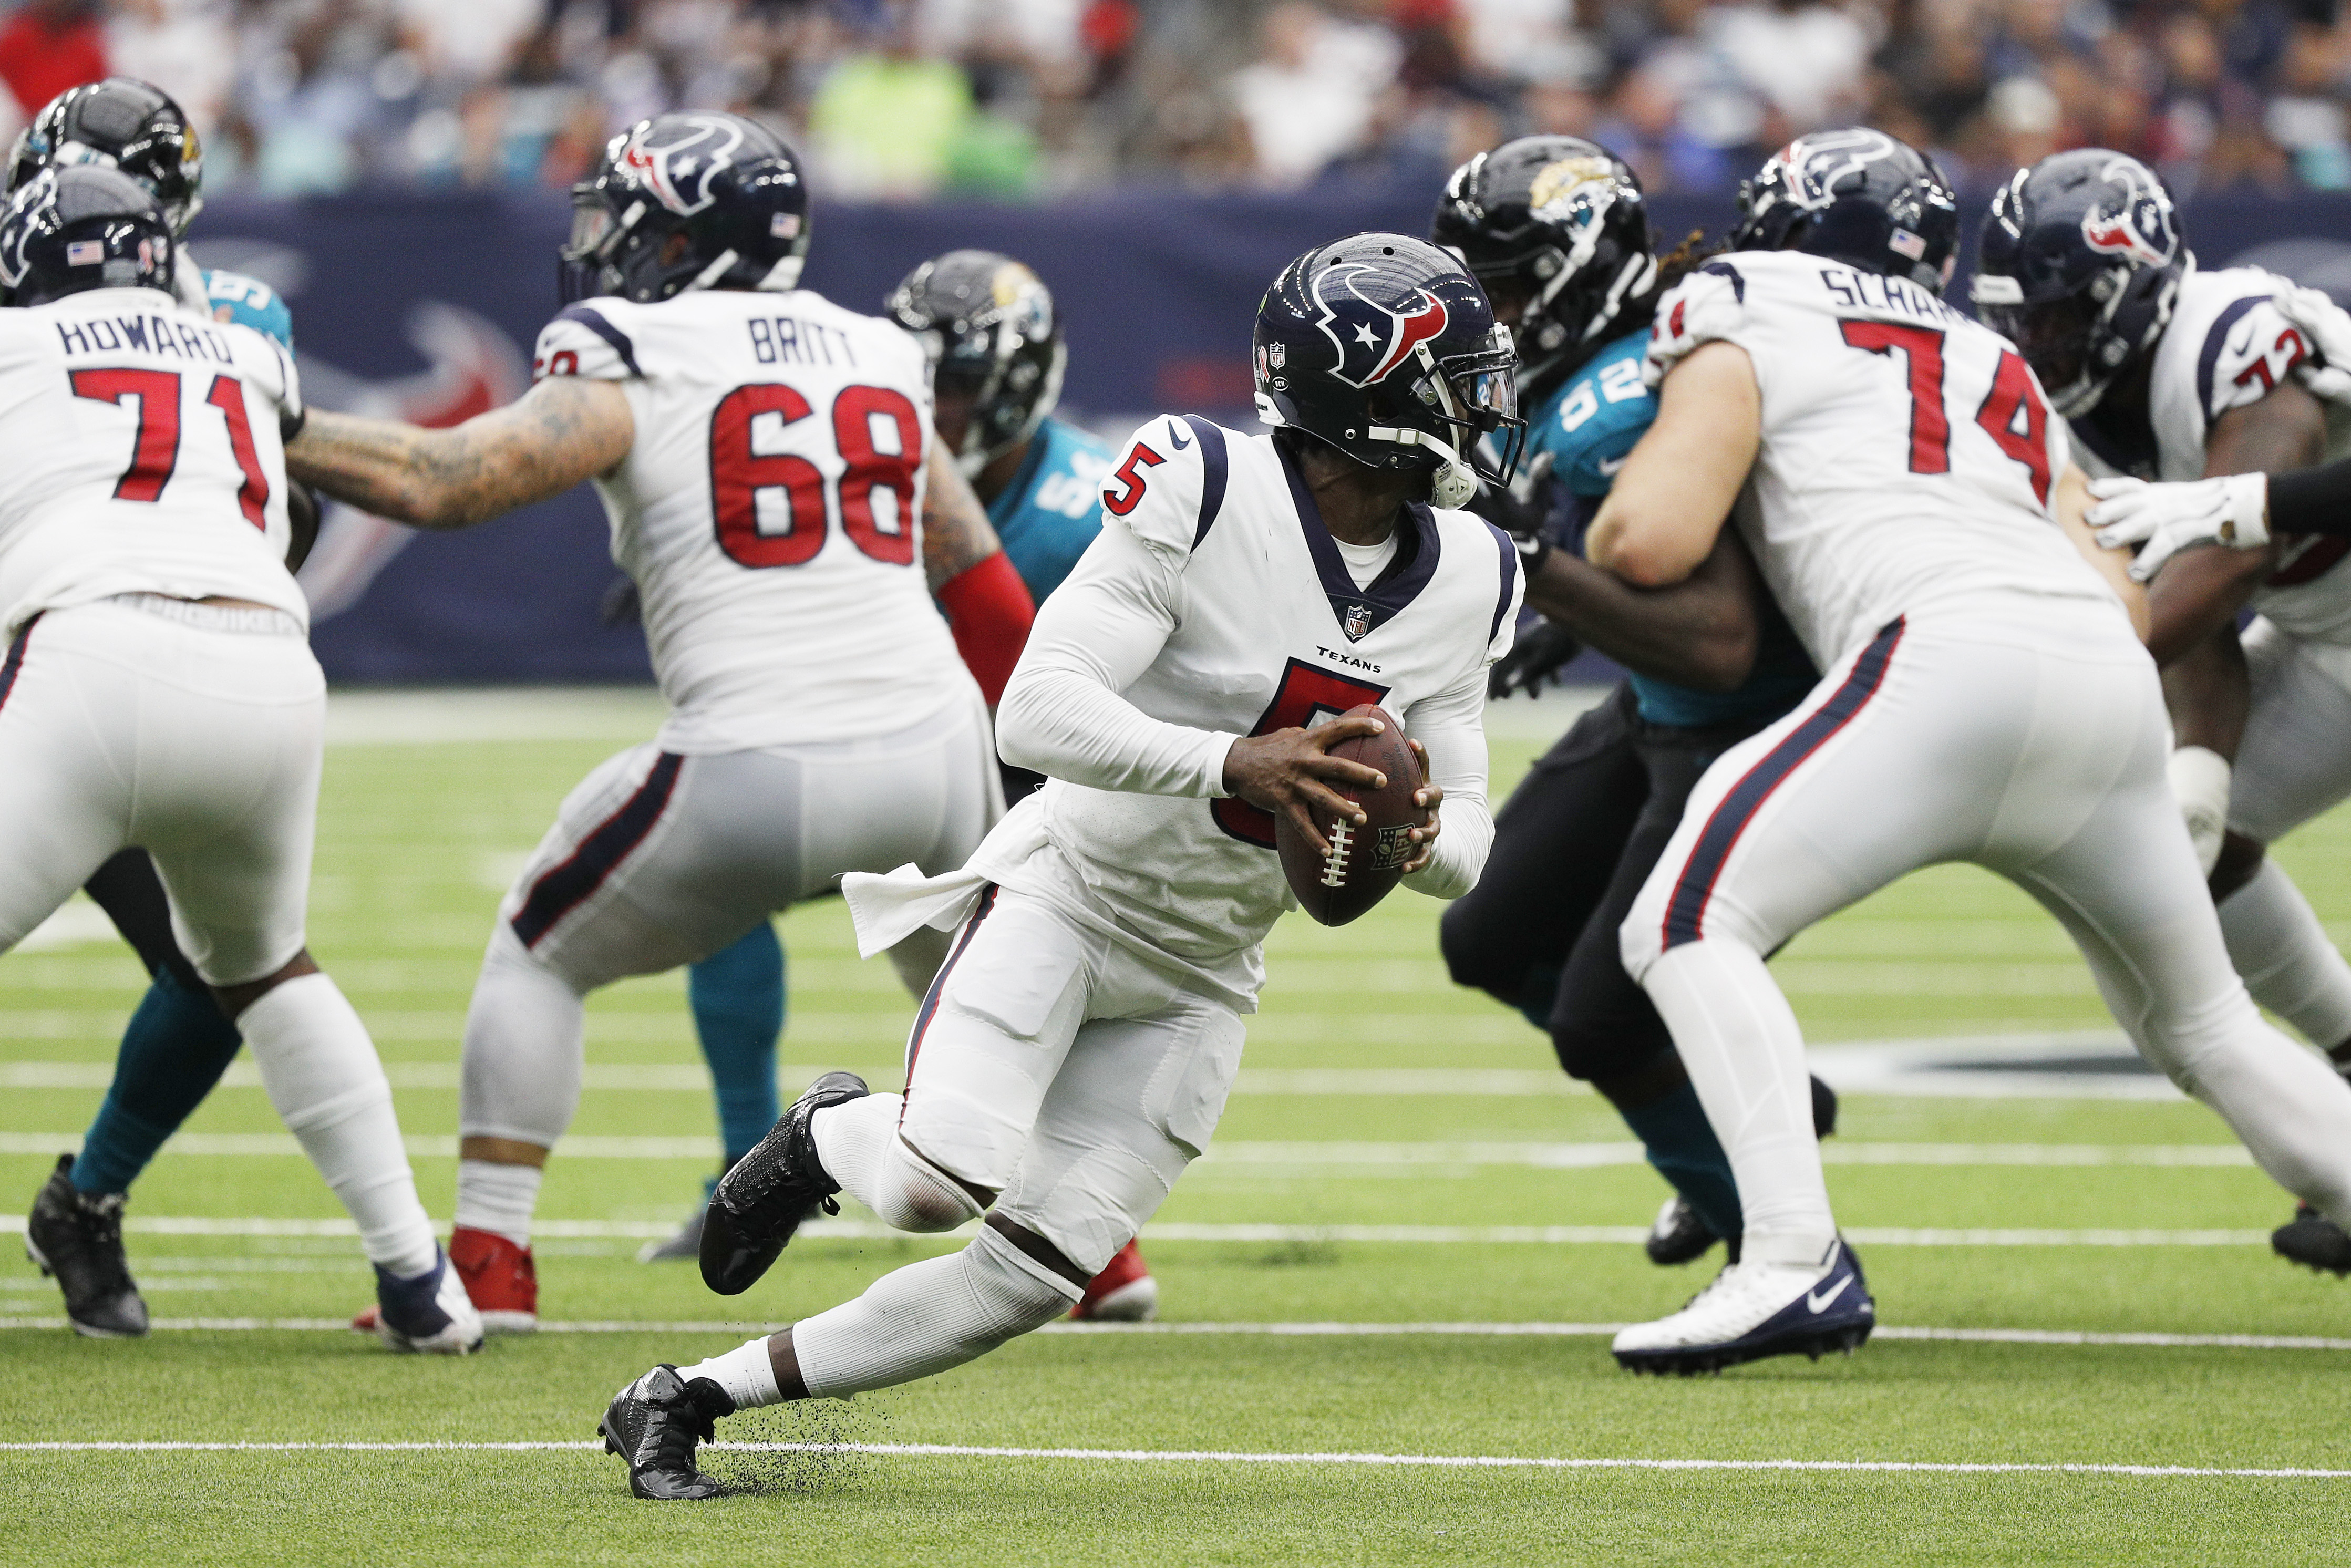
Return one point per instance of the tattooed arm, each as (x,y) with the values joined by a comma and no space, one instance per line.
(564,430)
(956,534)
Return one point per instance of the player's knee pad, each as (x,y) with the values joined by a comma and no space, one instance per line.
(521,1069)
(1474,956)
(914,1195)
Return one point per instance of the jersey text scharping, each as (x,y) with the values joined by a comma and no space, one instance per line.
(1854,289)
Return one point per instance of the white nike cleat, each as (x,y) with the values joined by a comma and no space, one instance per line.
(431,1314)
(1755,1310)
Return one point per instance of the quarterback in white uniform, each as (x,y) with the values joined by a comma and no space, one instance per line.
(158,689)
(2171,374)
(765,459)
(1985,699)
(1076,1050)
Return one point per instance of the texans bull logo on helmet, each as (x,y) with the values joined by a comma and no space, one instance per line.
(2139,226)
(677,156)
(1372,338)
(1811,167)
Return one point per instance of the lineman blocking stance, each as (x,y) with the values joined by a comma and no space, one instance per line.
(1986,699)
(158,690)
(761,454)
(1076,1052)
(2166,372)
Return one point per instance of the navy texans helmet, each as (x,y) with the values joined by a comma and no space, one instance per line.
(119,123)
(1383,347)
(1857,196)
(81,227)
(1555,226)
(728,185)
(2080,267)
(994,342)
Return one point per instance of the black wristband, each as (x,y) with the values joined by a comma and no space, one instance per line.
(290,427)
(2312,500)
(1533,550)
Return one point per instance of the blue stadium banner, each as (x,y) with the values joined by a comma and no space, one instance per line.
(424,307)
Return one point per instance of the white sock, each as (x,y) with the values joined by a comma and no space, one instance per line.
(929,1316)
(498,1198)
(2277,944)
(850,1138)
(748,1374)
(1745,1054)
(330,1090)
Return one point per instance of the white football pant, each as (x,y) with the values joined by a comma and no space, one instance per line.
(2026,737)
(193,731)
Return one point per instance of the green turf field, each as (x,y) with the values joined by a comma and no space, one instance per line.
(1375,1226)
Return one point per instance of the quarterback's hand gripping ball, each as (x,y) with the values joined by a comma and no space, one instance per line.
(1361,863)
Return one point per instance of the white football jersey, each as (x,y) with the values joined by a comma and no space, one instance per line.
(1908,453)
(2226,345)
(770,512)
(1268,630)
(143,455)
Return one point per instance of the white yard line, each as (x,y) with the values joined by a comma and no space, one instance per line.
(1231,1457)
(2061,1337)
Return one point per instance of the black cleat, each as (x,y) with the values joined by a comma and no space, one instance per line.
(78,1238)
(2313,1240)
(1680,1235)
(771,1191)
(655,1423)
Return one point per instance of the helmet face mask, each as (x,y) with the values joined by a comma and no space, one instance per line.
(2081,263)
(728,185)
(1556,231)
(996,345)
(124,124)
(1384,348)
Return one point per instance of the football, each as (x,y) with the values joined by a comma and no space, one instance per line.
(1363,862)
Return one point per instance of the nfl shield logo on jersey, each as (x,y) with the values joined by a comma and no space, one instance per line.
(1358,622)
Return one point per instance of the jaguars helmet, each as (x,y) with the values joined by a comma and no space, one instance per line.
(81,227)
(119,123)
(728,186)
(1383,347)
(2079,266)
(994,340)
(1557,226)
(1857,196)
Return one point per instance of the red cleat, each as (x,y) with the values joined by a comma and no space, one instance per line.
(1124,1292)
(503,1283)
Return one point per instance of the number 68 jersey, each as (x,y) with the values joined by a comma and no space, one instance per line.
(768,511)
(143,455)
(1908,453)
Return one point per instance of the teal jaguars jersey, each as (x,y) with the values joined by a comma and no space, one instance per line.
(1581,435)
(249,302)
(1052,510)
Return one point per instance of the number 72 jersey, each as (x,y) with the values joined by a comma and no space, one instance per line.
(1908,453)
(768,510)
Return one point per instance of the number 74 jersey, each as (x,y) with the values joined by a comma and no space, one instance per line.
(768,510)
(1908,453)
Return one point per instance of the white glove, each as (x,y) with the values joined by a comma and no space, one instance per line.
(2329,331)
(2199,780)
(2233,510)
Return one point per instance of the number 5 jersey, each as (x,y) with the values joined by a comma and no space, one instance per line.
(770,512)
(143,455)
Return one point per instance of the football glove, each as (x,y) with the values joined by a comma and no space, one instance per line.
(2164,519)
(1533,661)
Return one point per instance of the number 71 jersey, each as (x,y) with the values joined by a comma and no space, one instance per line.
(1908,453)
(768,511)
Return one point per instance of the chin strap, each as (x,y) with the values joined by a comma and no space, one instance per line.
(1454,482)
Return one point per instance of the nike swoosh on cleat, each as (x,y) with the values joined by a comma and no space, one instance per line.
(1820,1303)
(1175,435)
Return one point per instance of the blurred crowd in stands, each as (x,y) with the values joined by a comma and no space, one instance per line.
(1021,98)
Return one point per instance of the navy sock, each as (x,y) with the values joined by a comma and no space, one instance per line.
(1682,1145)
(175,1049)
(737,997)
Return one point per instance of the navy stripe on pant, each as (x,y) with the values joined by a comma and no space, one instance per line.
(570,882)
(939,984)
(1686,911)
